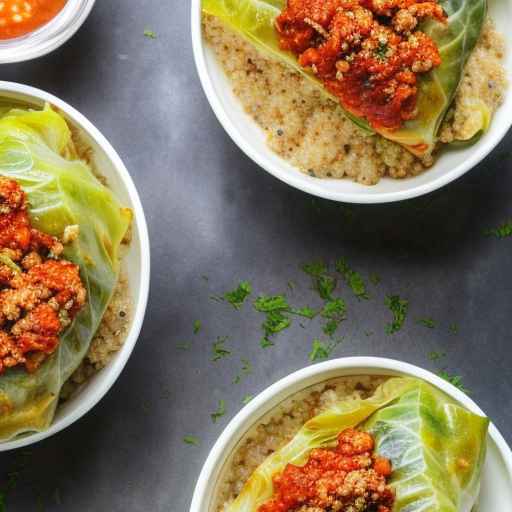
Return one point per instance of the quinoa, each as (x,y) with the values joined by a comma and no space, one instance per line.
(312,133)
(279,426)
(108,339)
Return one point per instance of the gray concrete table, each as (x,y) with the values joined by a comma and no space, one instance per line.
(213,212)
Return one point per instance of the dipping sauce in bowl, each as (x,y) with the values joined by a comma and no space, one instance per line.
(20,17)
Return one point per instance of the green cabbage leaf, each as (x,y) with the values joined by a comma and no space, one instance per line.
(437,447)
(36,150)
(254,20)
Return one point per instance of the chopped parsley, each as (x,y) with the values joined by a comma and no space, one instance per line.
(197,326)
(352,278)
(221,411)
(453,328)
(503,231)
(399,308)
(321,350)
(192,440)
(219,351)
(334,312)
(150,34)
(306,312)
(247,398)
(427,322)
(315,268)
(454,380)
(325,286)
(382,50)
(265,304)
(246,370)
(436,356)
(237,297)
(375,279)
(275,308)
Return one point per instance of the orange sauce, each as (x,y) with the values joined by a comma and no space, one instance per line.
(20,17)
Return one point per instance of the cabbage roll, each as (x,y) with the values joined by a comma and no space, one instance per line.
(38,153)
(435,446)
(455,37)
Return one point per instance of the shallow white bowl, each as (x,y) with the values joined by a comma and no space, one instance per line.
(496,491)
(48,37)
(136,263)
(251,139)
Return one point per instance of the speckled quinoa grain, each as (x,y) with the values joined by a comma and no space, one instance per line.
(311,132)
(279,426)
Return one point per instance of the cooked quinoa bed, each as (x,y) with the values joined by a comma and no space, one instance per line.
(311,131)
(280,425)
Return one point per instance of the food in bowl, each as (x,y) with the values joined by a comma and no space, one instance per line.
(359,443)
(20,17)
(379,96)
(62,233)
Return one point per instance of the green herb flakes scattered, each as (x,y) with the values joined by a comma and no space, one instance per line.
(197,326)
(454,380)
(219,351)
(246,370)
(325,286)
(237,297)
(375,279)
(427,322)
(265,304)
(221,411)
(436,356)
(192,440)
(334,312)
(353,279)
(399,308)
(503,231)
(315,268)
(247,398)
(321,350)
(150,34)
(306,312)
(453,328)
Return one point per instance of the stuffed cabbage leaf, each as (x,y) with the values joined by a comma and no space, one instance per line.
(255,20)
(37,150)
(437,447)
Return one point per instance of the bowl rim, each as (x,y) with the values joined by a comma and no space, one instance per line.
(43,46)
(297,180)
(122,356)
(291,384)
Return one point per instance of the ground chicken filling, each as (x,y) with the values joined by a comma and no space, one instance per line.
(368,53)
(348,478)
(40,293)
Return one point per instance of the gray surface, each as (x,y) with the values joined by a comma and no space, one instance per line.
(212,211)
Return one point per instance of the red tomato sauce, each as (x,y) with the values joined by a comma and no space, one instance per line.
(368,53)
(20,17)
(342,478)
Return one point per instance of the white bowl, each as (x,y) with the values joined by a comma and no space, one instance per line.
(48,37)
(496,491)
(136,263)
(251,139)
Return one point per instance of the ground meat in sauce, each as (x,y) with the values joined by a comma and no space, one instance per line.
(39,293)
(347,478)
(368,53)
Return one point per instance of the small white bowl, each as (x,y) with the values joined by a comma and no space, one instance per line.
(49,36)
(496,489)
(251,139)
(136,263)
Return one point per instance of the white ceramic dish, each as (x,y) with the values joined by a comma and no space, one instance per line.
(250,138)
(136,263)
(48,37)
(496,491)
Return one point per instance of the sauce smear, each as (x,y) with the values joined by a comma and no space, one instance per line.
(20,17)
